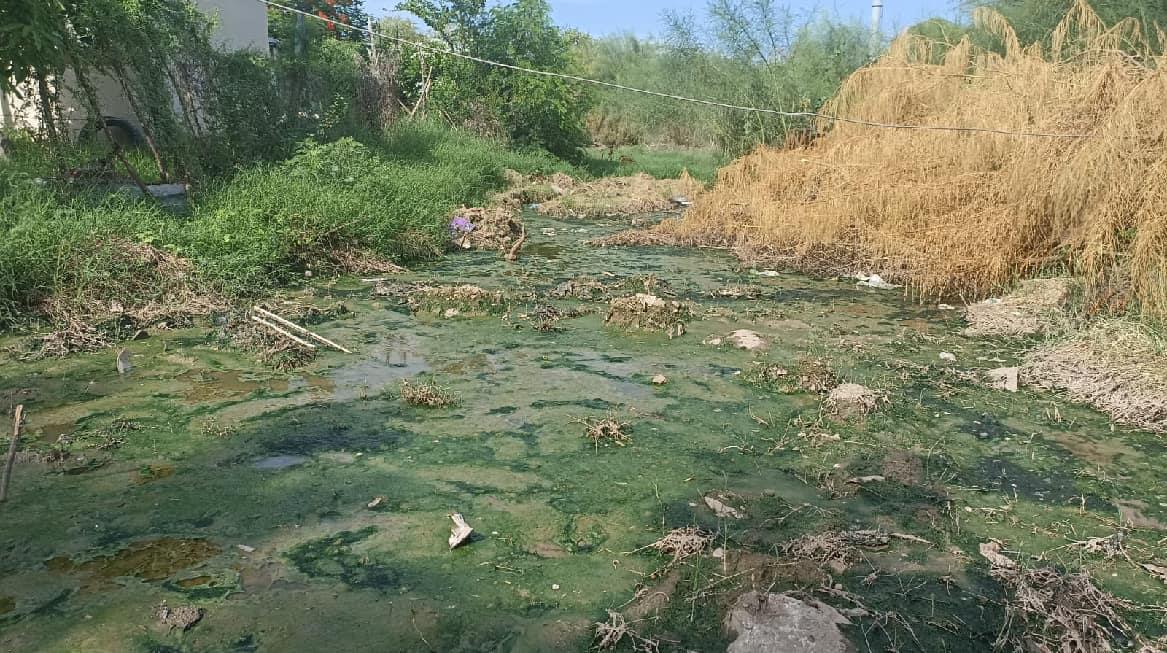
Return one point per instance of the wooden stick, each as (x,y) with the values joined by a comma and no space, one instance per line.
(282,332)
(291,325)
(514,253)
(11,454)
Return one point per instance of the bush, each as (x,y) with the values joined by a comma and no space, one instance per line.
(391,198)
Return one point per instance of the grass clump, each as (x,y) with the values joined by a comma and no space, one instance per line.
(966,214)
(427,394)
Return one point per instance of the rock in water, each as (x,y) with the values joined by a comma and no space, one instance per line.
(772,623)
(1004,378)
(125,366)
(660,379)
(745,339)
(852,400)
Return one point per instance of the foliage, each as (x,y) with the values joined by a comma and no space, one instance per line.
(1034,20)
(390,196)
(282,24)
(32,38)
(754,54)
(531,111)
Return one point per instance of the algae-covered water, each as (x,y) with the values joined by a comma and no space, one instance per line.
(203,478)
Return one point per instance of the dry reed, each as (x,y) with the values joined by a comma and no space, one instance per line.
(965,214)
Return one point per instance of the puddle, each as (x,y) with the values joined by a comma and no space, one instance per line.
(278,462)
(206,385)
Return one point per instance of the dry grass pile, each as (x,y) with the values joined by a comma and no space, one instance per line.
(426,394)
(1050,611)
(966,214)
(493,229)
(643,312)
(115,289)
(1116,366)
(1035,307)
(454,301)
(523,190)
(633,195)
(637,238)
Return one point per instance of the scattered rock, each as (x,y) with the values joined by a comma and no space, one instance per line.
(948,357)
(124,364)
(864,480)
(772,623)
(1003,378)
(461,531)
(718,553)
(376,503)
(992,552)
(852,399)
(722,510)
(244,548)
(660,379)
(748,340)
(182,617)
(874,281)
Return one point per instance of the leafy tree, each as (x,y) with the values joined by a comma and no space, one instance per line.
(531,111)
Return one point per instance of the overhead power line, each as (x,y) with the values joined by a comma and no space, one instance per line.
(680,98)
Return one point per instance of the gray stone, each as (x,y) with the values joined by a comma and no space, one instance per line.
(777,623)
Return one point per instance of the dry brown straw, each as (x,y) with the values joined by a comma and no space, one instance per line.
(11,453)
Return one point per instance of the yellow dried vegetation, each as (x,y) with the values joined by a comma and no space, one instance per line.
(964,214)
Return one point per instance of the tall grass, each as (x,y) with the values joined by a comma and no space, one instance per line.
(962,214)
(388,197)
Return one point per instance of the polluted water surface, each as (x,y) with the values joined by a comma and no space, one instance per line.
(612,473)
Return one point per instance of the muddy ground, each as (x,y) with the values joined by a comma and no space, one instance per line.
(205,480)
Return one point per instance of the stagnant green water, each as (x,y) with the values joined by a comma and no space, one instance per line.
(204,479)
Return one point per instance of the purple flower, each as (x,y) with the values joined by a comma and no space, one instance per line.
(461,225)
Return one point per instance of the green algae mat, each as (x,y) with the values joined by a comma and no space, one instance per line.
(205,502)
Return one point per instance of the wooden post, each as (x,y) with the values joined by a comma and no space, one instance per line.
(11,460)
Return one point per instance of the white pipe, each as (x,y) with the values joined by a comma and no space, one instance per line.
(876,26)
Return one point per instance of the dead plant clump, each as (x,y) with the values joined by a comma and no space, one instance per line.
(1034,307)
(966,214)
(682,543)
(580,288)
(1049,611)
(1118,367)
(816,375)
(607,431)
(610,633)
(455,301)
(637,238)
(493,229)
(633,195)
(644,312)
(835,549)
(115,288)
(427,394)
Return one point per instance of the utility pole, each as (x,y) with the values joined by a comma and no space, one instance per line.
(876,26)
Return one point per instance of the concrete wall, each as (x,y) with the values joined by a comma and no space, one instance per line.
(239,25)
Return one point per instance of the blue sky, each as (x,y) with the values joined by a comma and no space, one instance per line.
(642,17)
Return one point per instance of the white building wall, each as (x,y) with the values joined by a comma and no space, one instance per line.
(239,25)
